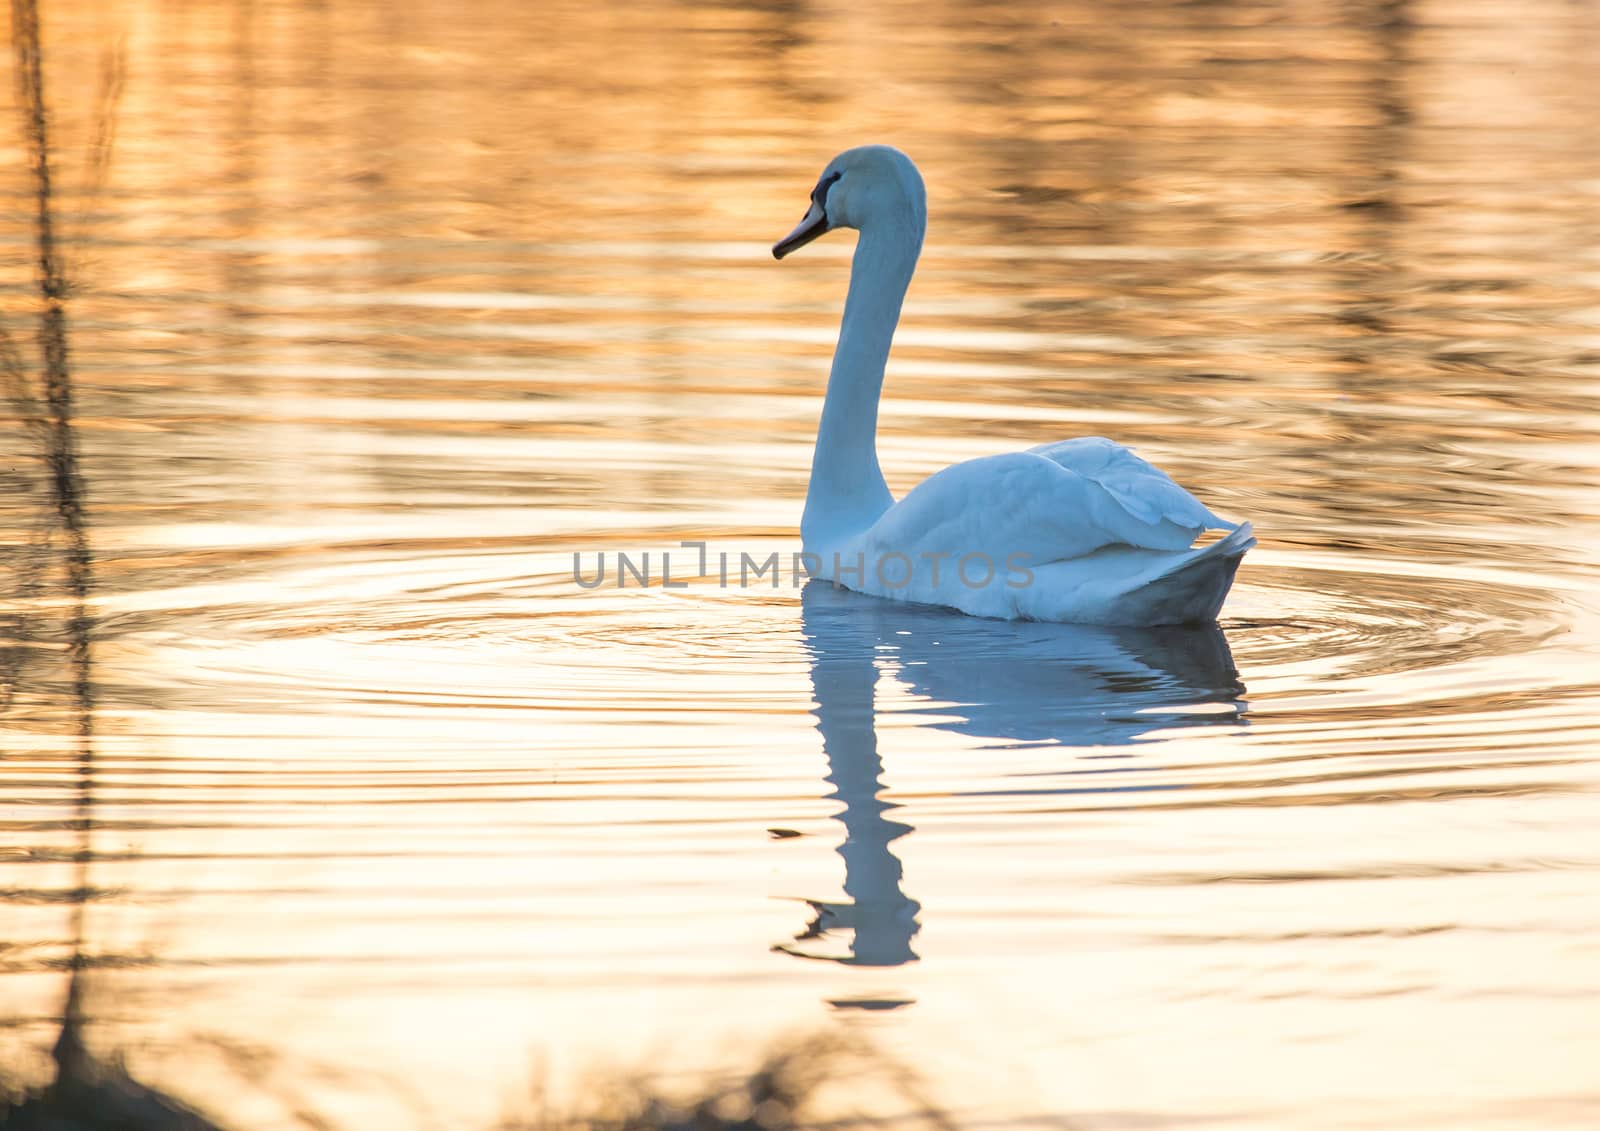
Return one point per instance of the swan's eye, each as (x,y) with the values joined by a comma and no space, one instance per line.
(819,195)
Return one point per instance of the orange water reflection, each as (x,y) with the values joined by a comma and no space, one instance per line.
(385,311)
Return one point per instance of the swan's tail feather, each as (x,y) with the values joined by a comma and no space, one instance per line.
(1240,538)
(1191,589)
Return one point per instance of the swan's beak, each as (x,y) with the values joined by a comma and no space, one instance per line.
(815,223)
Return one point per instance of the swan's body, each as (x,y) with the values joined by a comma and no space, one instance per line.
(1082,530)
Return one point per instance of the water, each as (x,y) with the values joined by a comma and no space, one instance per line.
(385,313)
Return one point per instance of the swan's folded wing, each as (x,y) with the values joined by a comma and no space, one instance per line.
(1143,489)
(1026,503)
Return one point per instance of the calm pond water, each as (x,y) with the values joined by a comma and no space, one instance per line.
(385,312)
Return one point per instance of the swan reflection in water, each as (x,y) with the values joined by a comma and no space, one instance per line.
(1018,683)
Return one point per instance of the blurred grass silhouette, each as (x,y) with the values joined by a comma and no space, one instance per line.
(827,1081)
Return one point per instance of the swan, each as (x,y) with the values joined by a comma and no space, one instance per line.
(1081,530)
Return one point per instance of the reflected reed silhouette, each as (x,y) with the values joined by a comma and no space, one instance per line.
(1081,687)
(88,1092)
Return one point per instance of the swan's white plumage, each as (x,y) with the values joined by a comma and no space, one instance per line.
(1142,490)
(1080,530)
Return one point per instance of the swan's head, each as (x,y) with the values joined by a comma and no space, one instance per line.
(871,186)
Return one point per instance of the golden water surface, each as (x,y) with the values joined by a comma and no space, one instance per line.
(383,312)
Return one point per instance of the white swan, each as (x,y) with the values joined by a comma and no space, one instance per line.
(1081,530)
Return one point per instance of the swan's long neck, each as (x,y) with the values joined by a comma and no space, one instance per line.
(847,493)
